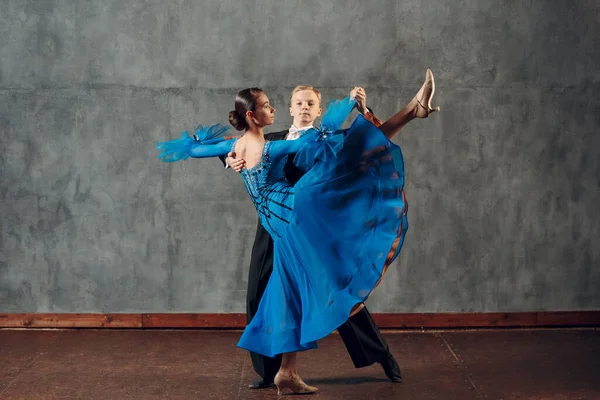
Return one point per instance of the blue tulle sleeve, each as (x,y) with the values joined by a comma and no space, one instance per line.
(329,140)
(206,142)
(336,114)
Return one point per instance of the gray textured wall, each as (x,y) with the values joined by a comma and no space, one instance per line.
(503,184)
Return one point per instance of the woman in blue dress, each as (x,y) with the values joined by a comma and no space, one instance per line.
(335,232)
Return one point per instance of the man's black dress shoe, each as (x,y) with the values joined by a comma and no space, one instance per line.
(260,384)
(391,368)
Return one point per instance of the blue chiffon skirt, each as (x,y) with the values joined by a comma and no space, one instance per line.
(348,225)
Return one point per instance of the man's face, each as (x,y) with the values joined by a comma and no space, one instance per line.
(305,108)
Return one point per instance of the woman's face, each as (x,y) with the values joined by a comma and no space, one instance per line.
(264,113)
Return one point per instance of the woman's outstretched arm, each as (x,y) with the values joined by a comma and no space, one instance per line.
(203,150)
(282,148)
(206,142)
(187,146)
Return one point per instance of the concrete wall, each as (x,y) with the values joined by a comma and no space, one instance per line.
(503,184)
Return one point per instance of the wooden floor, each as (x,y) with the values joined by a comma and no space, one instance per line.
(200,364)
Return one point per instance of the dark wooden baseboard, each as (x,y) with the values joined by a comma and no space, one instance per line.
(238,321)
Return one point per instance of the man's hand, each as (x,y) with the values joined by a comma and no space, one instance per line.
(235,164)
(360,95)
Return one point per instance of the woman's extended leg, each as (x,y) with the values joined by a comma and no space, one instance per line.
(418,107)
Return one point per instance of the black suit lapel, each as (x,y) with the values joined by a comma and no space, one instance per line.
(281,135)
(292,172)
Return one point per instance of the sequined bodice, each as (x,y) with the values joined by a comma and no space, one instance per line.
(270,191)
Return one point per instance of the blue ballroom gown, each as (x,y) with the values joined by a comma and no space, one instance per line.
(335,232)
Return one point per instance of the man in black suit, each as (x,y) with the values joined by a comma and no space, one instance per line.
(361,336)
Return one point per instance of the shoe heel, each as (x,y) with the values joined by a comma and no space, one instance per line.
(283,389)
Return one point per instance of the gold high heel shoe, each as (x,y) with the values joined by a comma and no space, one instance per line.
(293,383)
(424,96)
